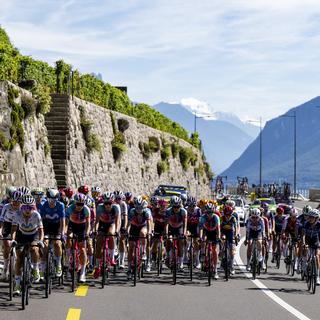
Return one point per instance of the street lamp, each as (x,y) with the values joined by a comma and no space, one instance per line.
(260,151)
(294,116)
(200,117)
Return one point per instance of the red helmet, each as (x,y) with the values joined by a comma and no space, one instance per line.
(83,189)
(280,210)
(69,192)
(228,210)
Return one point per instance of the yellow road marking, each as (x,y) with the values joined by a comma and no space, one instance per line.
(82,291)
(73,314)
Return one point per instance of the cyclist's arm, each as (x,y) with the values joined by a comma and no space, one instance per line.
(14,232)
(87,229)
(41,234)
(118,222)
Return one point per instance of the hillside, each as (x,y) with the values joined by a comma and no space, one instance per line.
(277,145)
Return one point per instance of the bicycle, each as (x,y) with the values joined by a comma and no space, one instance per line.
(208,265)
(291,257)
(159,260)
(174,260)
(191,257)
(225,260)
(266,254)
(50,271)
(311,271)
(277,254)
(74,261)
(11,268)
(106,260)
(255,264)
(138,263)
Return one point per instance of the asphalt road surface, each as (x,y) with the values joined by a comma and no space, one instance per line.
(273,296)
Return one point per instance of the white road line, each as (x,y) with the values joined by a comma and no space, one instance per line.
(265,289)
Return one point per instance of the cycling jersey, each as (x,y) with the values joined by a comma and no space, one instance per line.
(175,220)
(278,222)
(255,228)
(159,218)
(139,219)
(77,217)
(30,225)
(52,215)
(270,216)
(7,213)
(312,234)
(290,225)
(107,216)
(209,223)
(194,214)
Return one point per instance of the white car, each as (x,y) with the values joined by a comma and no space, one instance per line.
(241,209)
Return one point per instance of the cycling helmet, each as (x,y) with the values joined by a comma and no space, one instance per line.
(52,194)
(24,190)
(17,196)
(163,203)
(306,209)
(62,194)
(255,212)
(264,205)
(209,207)
(108,197)
(119,195)
(69,192)
(88,202)
(293,212)
(228,210)
(83,189)
(192,201)
(280,210)
(183,197)
(140,203)
(28,199)
(80,198)
(37,191)
(314,213)
(154,200)
(95,189)
(203,202)
(10,190)
(230,203)
(128,195)
(175,201)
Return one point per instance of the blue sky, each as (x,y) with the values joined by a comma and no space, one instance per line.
(250,57)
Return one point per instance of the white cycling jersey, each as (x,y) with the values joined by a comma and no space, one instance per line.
(30,225)
(8,213)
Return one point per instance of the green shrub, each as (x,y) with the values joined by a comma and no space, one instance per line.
(162,166)
(154,144)
(42,95)
(208,171)
(4,142)
(165,152)
(187,157)
(174,149)
(113,123)
(146,151)
(195,140)
(94,143)
(47,149)
(118,145)
(123,124)
(28,104)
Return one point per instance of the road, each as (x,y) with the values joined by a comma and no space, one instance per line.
(156,298)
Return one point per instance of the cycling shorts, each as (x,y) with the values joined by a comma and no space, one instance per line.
(159,228)
(255,234)
(175,231)
(104,227)
(6,229)
(23,239)
(135,231)
(78,229)
(211,236)
(51,229)
(193,229)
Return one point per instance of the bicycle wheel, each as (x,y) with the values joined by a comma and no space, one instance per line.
(313,276)
(278,255)
(308,275)
(47,285)
(266,258)
(191,259)
(289,261)
(293,263)
(174,266)
(28,280)
(135,266)
(103,266)
(24,282)
(11,273)
(254,263)
(159,258)
(209,266)
(226,261)
(73,267)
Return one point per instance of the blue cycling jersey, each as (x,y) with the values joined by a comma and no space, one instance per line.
(52,215)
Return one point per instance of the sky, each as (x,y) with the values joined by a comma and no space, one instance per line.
(250,57)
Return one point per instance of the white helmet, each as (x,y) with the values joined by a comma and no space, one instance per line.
(140,203)
(230,203)
(314,213)
(175,201)
(255,212)
(96,189)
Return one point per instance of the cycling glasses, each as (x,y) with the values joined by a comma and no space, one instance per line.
(27,208)
(108,203)
(79,204)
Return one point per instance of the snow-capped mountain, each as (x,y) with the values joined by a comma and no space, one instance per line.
(223,141)
(202,108)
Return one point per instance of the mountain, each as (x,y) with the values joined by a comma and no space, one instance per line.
(278,149)
(222,141)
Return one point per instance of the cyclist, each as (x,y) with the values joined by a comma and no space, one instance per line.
(63,198)
(184,199)
(27,228)
(8,214)
(108,223)
(232,204)
(78,222)
(96,195)
(140,220)
(311,235)
(53,216)
(210,231)
(290,229)
(194,214)
(38,194)
(255,230)
(269,224)
(69,193)
(177,225)
(278,222)
(228,228)
(160,222)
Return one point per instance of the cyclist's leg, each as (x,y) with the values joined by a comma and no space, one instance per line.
(18,271)
(122,249)
(111,243)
